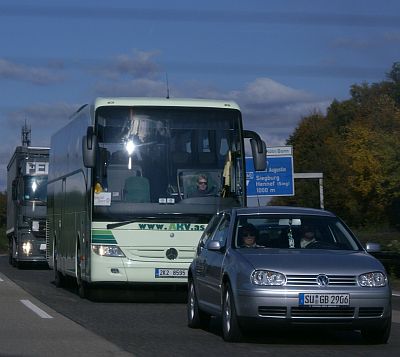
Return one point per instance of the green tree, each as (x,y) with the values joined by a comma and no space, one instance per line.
(356,146)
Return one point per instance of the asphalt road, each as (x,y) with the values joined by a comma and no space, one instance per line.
(153,323)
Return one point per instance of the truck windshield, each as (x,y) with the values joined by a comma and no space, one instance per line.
(35,188)
(151,159)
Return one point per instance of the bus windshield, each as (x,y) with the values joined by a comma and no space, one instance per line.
(35,188)
(167,160)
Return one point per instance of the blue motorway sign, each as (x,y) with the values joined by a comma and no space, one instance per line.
(277,180)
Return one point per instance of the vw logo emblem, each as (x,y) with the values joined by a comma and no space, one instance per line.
(322,280)
(171,253)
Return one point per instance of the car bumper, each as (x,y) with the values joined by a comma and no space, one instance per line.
(367,307)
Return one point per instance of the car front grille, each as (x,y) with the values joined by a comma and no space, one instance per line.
(322,312)
(319,312)
(311,280)
(273,311)
(370,311)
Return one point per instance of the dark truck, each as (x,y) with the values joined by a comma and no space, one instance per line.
(27,174)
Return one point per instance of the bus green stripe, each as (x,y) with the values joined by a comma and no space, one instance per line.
(103,237)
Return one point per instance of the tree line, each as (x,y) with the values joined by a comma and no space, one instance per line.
(356,146)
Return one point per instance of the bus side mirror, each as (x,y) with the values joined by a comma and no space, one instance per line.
(258,149)
(259,156)
(89,146)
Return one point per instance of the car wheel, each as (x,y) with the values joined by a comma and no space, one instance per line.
(230,326)
(195,317)
(377,336)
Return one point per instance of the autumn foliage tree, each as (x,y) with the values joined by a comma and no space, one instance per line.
(356,145)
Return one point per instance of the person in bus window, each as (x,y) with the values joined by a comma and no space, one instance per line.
(202,187)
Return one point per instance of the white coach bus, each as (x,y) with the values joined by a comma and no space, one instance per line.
(126,197)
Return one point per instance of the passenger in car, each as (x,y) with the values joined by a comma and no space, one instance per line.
(308,237)
(249,235)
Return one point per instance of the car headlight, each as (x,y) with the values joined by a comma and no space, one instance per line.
(108,250)
(267,277)
(372,279)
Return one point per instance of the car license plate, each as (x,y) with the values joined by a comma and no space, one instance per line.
(318,300)
(171,273)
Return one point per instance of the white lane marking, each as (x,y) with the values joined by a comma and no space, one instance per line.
(1,279)
(36,310)
(397,295)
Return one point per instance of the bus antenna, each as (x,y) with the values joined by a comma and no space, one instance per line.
(166,79)
(26,135)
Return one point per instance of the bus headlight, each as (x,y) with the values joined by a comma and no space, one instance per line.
(27,248)
(108,250)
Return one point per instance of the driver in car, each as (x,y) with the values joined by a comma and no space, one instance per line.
(307,238)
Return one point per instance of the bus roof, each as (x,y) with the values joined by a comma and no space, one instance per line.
(167,102)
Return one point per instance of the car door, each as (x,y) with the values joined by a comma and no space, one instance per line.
(201,255)
(213,264)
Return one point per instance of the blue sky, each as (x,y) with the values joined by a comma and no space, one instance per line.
(279,60)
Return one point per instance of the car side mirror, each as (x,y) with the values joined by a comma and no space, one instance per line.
(372,247)
(214,245)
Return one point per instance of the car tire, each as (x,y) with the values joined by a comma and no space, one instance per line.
(377,336)
(231,331)
(195,316)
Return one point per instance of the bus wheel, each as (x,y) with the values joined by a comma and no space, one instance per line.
(10,252)
(83,288)
(58,277)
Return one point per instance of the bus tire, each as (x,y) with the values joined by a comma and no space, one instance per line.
(58,277)
(82,286)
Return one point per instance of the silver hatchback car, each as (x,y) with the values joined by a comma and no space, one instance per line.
(286,265)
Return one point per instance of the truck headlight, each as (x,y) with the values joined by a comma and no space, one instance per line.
(372,279)
(27,248)
(267,277)
(108,250)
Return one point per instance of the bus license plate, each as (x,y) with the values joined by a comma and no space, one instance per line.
(171,273)
(318,300)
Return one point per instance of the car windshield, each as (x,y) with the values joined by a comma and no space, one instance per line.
(293,232)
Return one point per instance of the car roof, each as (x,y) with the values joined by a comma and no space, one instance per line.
(283,210)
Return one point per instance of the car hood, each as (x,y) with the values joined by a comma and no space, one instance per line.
(298,261)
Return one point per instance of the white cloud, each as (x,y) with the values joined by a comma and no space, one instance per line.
(34,75)
(139,64)
(268,107)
